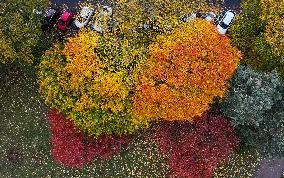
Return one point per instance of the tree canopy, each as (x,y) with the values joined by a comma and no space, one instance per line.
(255,105)
(94,92)
(20,30)
(184,72)
(195,149)
(258,32)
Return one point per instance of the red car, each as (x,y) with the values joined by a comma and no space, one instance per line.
(64,21)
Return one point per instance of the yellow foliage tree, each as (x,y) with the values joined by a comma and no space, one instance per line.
(20,32)
(90,90)
(185,71)
(272,11)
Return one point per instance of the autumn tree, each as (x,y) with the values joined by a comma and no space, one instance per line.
(20,32)
(255,106)
(272,11)
(195,149)
(186,70)
(92,77)
(90,86)
(258,32)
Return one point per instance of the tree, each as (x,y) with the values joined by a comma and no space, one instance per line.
(93,91)
(20,31)
(195,149)
(258,32)
(252,97)
(140,21)
(186,70)
(272,11)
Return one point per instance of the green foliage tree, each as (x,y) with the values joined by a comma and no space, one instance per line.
(254,104)
(258,32)
(20,32)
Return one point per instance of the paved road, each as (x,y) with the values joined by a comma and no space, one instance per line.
(72,4)
(270,168)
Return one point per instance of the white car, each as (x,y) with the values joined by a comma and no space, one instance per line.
(84,16)
(210,16)
(96,25)
(225,22)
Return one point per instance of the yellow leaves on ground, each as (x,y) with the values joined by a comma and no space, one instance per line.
(186,70)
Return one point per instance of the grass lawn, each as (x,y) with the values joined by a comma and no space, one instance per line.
(25,138)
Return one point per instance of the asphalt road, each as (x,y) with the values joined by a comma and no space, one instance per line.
(270,168)
(72,4)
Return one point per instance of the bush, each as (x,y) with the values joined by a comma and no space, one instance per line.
(74,149)
(196,149)
(185,72)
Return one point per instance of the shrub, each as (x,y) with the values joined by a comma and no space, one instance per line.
(185,72)
(74,149)
(196,149)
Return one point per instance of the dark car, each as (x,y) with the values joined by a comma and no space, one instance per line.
(50,19)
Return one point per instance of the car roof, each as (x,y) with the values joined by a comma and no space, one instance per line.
(85,11)
(229,15)
(65,15)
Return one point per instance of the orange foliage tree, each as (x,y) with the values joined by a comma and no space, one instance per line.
(185,71)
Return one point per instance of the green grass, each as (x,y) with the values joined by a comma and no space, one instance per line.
(25,132)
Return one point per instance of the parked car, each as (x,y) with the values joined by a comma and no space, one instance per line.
(225,22)
(210,16)
(97,24)
(65,21)
(84,16)
(50,18)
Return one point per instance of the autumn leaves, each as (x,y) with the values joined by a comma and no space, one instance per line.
(186,70)
(176,80)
